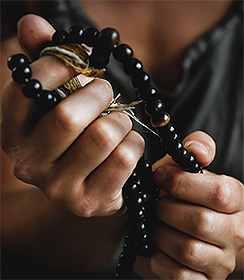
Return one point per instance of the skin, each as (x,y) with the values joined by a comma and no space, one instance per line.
(191,244)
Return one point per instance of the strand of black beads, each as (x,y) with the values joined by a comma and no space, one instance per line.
(155,109)
(32,88)
(102,42)
(140,194)
(76,35)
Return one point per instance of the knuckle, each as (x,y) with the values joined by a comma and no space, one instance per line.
(204,224)
(65,119)
(101,135)
(223,192)
(81,209)
(189,252)
(124,158)
(76,202)
(22,170)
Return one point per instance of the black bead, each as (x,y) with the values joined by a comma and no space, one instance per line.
(108,39)
(148,93)
(123,53)
(76,33)
(132,186)
(169,133)
(129,241)
(137,214)
(90,36)
(145,248)
(127,258)
(131,66)
(32,88)
(99,59)
(140,80)
(22,74)
(155,108)
(17,60)
(46,100)
(60,37)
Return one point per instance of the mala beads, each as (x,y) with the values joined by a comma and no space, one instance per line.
(22,73)
(140,191)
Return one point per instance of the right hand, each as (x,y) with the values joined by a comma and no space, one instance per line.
(75,158)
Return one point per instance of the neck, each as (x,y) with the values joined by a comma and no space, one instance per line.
(159,32)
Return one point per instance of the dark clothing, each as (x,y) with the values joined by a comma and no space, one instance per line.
(208,98)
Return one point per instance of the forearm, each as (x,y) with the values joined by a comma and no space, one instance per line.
(47,233)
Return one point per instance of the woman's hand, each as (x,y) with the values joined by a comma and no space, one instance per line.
(202,218)
(74,157)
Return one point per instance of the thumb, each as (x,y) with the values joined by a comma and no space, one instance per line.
(198,143)
(202,146)
(33,31)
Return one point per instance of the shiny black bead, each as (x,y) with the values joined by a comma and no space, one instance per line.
(22,74)
(148,93)
(171,140)
(17,60)
(108,39)
(99,59)
(60,37)
(188,161)
(46,100)
(140,80)
(145,248)
(132,186)
(123,53)
(125,264)
(132,66)
(32,88)
(90,36)
(129,243)
(76,34)
(155,108)
(137,214)
(127,258)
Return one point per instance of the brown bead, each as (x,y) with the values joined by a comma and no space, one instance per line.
(164,120)
(109,37)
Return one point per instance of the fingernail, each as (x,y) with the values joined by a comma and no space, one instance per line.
(195,145)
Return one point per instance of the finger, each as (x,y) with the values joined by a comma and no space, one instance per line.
(202,145)
(60,127)
(167,268)
(198,143)
(193,253)
(101,193)
(33,31)
(220,193)
(94,145)
(199,222)
(117,167)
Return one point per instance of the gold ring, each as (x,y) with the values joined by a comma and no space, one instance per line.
(69,87)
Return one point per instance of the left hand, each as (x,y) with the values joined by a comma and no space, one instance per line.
(202,218)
